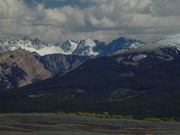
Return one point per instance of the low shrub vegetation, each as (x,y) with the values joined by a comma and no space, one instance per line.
(106,115)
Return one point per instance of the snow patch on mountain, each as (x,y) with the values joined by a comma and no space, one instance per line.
(9,44)
(46,50)
(69,46)
(86,47)
(139,57)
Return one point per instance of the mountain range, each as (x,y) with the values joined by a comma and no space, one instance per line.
(85,47)
(54,58)
(126,76)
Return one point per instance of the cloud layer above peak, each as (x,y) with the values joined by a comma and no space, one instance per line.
(54,20)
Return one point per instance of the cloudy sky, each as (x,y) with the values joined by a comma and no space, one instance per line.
(58,20)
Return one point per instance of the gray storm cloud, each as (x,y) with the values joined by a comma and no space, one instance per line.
(104,19)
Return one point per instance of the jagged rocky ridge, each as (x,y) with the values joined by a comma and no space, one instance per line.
(85,47)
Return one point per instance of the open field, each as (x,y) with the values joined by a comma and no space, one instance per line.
(55,124)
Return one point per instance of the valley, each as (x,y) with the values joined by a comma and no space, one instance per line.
(55,124)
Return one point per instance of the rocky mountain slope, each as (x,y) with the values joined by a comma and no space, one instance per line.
(60,63)
(19,68)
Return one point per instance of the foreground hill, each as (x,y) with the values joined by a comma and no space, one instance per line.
(19,68)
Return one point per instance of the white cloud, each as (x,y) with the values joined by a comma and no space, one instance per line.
(104,19)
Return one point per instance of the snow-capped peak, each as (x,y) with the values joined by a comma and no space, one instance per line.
(10,44)
(86,47)
(82,47)
(69,46)
(88,42)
